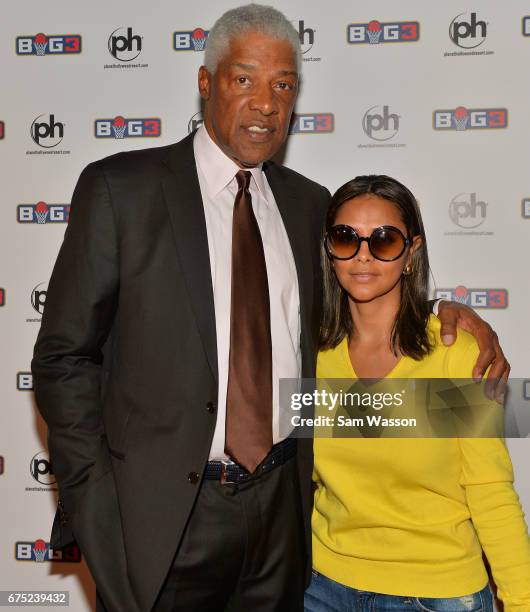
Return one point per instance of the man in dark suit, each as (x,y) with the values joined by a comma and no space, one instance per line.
(187,284)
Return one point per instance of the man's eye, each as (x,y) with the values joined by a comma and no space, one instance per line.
(242,80)
(284,85)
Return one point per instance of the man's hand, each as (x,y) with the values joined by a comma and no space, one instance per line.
(453,315)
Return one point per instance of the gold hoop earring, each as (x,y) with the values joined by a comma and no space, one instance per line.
(407,270)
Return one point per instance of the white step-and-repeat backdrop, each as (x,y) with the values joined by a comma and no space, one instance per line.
(435,94)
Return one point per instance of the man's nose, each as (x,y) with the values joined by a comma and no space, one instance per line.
(264,100)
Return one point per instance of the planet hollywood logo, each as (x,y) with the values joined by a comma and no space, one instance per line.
(47,133)
(462,119)
(2,465)
(24,381)
(312,123)
(121,127)
(41,469)
(125,46)
(476,298)
(2,296)
(306,35)
(525,208)
(2,130)
(38,297)
(40,551)
(468,212)
(375,32)
(381,125)
(190,40)
(42,213)
(195,122)
(467,32)
(526,25)
(41,44)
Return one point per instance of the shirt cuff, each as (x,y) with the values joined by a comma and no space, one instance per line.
(435,305)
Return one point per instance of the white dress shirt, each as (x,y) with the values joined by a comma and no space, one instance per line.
(218,187)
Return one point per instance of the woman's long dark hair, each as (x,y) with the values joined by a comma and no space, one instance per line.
(409,332)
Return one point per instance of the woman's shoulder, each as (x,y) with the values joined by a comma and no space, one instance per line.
(459,358)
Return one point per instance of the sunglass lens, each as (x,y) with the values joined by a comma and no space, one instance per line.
(387,244)
(342,241)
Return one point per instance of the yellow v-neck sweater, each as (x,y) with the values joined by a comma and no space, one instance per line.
(411,516)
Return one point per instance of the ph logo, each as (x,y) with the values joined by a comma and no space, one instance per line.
(40,551)
(124,45)
(526,25)
(380,124)
(56,44)
(38,297)
(312,123)
(24,381)
(190,40)
(525,208)
(466,211)
(462,119)
(195,122)
(122,127)
(42,213)
(2,296)
(41,469)
(467,34)
(306,36)
(476,298)
(47,133)
(375,32)
(2,130)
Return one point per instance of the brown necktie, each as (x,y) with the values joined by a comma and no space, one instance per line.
(249,394)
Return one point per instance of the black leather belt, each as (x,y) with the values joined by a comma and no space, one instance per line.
(228,472)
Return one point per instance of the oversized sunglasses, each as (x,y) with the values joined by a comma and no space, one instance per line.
(386,243)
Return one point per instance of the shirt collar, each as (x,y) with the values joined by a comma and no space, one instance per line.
(218,169)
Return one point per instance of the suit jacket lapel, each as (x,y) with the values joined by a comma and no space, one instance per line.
(186,212)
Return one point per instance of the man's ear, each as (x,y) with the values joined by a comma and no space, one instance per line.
(205,83)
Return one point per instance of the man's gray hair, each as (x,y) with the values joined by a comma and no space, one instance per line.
(249,18)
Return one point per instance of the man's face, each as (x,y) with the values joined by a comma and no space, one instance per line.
(250,98)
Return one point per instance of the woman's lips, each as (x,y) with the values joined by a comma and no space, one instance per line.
(363,277)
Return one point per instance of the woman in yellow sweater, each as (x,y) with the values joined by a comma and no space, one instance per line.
(401,524)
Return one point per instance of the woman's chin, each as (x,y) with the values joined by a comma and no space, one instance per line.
(364,295)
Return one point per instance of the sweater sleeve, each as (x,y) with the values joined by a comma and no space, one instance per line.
(496,512)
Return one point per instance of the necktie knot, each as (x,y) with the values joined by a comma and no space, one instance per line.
(243,179)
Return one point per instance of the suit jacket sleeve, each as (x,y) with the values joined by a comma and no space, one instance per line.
(67,364)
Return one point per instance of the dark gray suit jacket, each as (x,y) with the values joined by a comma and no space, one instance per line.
(125,363)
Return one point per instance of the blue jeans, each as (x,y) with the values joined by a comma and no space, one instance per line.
(326,595)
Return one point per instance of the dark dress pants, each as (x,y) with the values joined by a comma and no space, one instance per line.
(243,548)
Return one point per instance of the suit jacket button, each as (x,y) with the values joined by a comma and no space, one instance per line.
(193,477)
(210,406)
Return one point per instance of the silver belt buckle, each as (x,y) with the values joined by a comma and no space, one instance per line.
(224,472)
